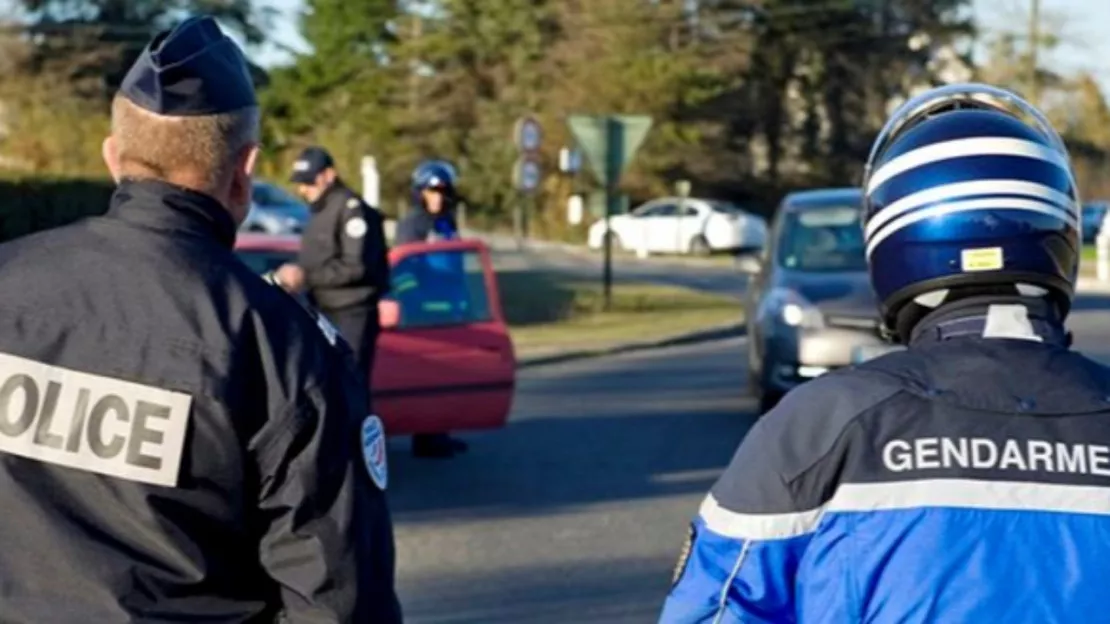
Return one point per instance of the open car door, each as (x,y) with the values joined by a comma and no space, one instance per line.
(444,361)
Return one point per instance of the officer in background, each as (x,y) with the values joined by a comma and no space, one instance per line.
(179,441)
(343,262)
(965,478)
(432,217)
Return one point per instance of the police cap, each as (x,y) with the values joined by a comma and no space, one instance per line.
(193,69)
(309,164)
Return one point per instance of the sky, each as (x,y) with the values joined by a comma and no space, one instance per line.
(1083,24)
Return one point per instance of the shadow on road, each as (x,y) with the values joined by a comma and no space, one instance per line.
(586,436)
(613,592)
(1091,302)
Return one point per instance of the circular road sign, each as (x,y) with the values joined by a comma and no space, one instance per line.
(528,134)
(527,174)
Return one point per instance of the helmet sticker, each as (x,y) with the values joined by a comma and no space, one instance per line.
(986,259)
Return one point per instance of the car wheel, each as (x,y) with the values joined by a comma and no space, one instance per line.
(700,247)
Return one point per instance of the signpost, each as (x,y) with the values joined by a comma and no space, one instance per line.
(527,174)
(608,143)
(682,189)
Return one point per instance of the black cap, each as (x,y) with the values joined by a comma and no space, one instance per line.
(309,164)
(193,69)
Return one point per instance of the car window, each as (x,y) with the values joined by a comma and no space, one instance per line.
(665,210)
(828,238)
(441,288)
(725,208)
(688,211)
(269,195)
(264,261)
(647,210)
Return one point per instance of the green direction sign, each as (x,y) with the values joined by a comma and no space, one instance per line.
(609,142)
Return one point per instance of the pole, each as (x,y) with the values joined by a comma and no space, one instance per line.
(518,220)
(614,160)
(1034,49)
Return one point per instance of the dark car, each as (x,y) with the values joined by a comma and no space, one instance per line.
(1093,214)
(810,307)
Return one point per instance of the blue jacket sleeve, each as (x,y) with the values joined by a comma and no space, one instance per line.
(744,547)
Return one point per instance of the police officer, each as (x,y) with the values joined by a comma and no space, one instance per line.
(343,262)
(432,217)
(179,441)
(966,477)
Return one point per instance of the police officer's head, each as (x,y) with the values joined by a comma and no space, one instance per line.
(313,172)
(968,191)
(434,186)
(186,113)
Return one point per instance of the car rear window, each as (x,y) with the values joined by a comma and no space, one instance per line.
(441,288)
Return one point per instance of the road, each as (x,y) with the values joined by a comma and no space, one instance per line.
(577,510)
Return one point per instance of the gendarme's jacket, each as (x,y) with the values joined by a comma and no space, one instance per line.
(965,479)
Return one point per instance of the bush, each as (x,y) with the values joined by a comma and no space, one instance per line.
(32,205)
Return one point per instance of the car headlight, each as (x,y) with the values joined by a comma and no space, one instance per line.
(792,309)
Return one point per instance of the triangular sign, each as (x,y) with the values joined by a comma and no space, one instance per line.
(591,135)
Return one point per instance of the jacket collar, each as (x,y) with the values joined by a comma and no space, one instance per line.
(1020,318)
(325,197)
(170,208)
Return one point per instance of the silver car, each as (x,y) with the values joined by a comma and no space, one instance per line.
(274,211)
(809,304)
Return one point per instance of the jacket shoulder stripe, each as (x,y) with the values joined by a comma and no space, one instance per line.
(760,526)
(971,494)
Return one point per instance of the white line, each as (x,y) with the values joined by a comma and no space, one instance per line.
(964,189)
(958,148)
(924,493)
(995,203)
(969,494)
(757,526)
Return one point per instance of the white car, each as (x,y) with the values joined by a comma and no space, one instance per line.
(705,226)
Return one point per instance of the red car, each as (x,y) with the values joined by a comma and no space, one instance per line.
(445,361)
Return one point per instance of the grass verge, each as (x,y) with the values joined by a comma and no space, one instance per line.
(550,312)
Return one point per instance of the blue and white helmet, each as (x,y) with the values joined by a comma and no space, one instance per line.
(435,174)
(969,189)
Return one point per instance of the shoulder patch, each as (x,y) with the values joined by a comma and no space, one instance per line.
(356,228)
(91,423)
(374,451)
(353,203)
(684,556)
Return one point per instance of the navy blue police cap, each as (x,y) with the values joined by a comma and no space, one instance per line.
(193,69)
(309,164)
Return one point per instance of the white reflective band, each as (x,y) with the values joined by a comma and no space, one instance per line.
(969,494)
(956,190)
(757,526)
(971,205)
(958,148)
(300,165)
(920,494)
(91,423)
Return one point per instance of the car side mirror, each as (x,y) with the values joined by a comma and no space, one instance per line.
(748,264)
(389,313)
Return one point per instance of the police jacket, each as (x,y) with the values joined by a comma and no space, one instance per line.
(965,479)
(178,439)
(343,251)
(419,225)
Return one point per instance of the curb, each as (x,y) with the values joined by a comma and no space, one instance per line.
(720,332)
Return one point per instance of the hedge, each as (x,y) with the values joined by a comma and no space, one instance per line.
(31,205)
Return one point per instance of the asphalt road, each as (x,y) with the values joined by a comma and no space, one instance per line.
(577,510)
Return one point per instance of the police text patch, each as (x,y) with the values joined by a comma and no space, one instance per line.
(91,423)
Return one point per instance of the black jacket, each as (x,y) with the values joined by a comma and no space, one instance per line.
(343,251)
(178,440)
(419,225)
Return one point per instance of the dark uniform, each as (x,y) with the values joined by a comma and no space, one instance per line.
(344,257)
(179,441)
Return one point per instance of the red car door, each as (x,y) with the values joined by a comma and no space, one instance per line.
(444,360)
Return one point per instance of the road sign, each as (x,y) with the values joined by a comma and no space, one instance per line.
(526,174)
(570,160)
(609,142)
(528,134)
